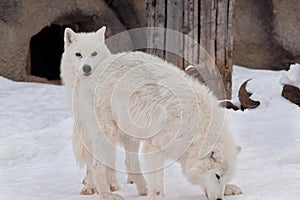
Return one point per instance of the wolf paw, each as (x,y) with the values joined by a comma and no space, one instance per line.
(142,191)
(156,195)
(86,190)
(129,180)
(110,196)
(232,190)
(114,187)
(140,183)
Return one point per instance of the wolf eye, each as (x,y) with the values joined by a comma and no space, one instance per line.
(218,176)
(94,53)
(78,54)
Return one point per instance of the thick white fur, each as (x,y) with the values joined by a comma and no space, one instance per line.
(85,43)
(71,73)
(162,104)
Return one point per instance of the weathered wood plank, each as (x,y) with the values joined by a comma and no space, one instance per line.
(186,27)
(196,34)
(224,43)
(221,37)
(156,21)
(229,49)
(190,41)
(174,41)
(208,22)
(206,55)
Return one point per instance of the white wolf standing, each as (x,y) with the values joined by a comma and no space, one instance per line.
(135,96)
(90,47)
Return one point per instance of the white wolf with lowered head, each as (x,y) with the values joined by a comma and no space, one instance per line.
(135,99)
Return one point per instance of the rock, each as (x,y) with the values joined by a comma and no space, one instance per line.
(291,93)
(21,20)
(244,97)
(229,105)
(266,34)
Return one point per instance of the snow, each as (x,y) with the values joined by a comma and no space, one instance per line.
(292,76)
(269,164)
(36,160)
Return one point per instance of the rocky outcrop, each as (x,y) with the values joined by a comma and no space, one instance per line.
(267,33)
(21,20)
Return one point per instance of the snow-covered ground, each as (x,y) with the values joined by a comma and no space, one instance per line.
(36,160)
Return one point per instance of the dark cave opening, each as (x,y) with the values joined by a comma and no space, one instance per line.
(46,49)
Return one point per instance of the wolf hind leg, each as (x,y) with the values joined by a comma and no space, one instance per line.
(132,163)
(155,171)
(112,179)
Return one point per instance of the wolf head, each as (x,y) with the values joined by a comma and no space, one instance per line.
(84,51)
(214,171)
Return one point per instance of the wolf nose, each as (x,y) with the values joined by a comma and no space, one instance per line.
(86,69)
(219,199)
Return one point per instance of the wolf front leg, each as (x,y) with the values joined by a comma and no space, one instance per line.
(102,186)
(112,179)
(132,163)
(89,187)
(81,149)
(103,161)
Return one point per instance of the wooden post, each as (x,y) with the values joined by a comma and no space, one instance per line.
(156,18)
(206,42)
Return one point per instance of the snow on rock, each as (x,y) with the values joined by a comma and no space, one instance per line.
(264,85)
(36,160)
(269,135)
(291,84)
(292,77)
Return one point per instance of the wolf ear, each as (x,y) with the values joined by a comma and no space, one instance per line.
(69,37)
(101,33)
